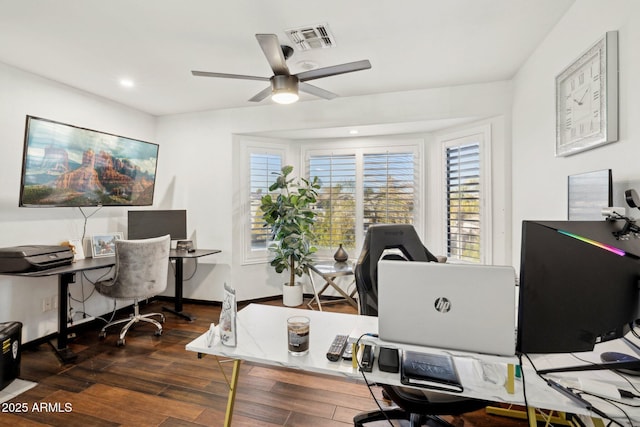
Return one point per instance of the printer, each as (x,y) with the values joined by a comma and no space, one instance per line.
(23,259)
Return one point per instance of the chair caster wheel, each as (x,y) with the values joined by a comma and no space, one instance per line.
(158,332)
(120,342)
(102,335)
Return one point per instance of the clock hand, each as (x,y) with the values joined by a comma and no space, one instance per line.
(579,102)
(583,95)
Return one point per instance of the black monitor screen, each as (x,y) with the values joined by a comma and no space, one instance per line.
(145,224)
(578,285)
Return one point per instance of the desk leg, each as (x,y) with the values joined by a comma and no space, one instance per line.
(330,281)
(178,297)
(315,293)
(64,353)
(231,399)
(532,416)
(346,296)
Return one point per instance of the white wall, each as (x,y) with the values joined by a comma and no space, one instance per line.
(196,164)
(196,171)
(25,94)
(539,178)
(205,142)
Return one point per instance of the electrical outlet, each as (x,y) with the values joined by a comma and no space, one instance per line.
(49,303)
(46,304)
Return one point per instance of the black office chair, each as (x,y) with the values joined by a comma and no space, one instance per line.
(415,405)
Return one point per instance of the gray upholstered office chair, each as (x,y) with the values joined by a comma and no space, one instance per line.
(140,272)
(416,405)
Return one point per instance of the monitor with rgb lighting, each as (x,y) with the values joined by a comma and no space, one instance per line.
(578,285)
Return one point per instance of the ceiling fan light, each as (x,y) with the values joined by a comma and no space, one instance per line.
(284,89)
(284,97)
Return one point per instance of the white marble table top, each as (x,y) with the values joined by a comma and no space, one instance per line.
(262,338)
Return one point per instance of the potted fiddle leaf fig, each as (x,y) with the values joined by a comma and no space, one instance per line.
(290,218)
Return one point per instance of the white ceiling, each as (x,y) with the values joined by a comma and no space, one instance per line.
(412,44)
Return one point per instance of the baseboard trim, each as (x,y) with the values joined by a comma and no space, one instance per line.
(92,324)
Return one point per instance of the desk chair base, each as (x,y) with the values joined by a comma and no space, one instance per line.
(415,420)
(131,320)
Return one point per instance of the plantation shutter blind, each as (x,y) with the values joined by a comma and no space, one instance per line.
(390,188)
(463,201)
(336,206)
(264,169)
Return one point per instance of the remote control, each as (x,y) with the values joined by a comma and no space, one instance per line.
(337,347)
(347,354)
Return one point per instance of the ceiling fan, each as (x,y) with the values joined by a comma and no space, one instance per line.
(284,85)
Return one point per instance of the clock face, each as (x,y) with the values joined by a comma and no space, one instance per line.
(586,99)
(580,100)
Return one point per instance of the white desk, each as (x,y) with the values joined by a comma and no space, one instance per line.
(262,338)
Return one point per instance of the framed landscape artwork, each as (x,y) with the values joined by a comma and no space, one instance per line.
(66,165)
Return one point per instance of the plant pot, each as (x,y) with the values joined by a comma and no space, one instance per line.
(292,295)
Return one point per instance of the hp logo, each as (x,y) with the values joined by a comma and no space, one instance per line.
(442,304)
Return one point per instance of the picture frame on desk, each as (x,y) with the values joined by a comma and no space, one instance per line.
(104,245)
(77,248)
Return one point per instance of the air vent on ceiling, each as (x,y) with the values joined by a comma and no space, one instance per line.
(311,37)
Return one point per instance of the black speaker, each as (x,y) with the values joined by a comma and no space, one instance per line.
(11,339)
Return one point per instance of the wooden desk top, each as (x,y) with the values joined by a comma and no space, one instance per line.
(105,262)
(74,267)
(174,253)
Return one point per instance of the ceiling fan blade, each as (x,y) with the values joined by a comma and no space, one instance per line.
(272,50)
(314,90)
(261,95)
(334,70)
(228,76)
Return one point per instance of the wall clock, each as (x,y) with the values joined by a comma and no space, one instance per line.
(587,99)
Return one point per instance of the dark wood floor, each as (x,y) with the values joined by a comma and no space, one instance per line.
(154,381)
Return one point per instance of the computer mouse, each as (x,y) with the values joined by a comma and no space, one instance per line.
(614,356)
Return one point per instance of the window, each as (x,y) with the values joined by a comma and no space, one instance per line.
(389,188)
(260,162)
(463,201)
(264,167)
(336,207)
(467,215)
(361,187)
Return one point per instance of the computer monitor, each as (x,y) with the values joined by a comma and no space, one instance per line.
(144,224)
(578,285)
(588,193)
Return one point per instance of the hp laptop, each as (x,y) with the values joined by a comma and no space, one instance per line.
(453,306)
